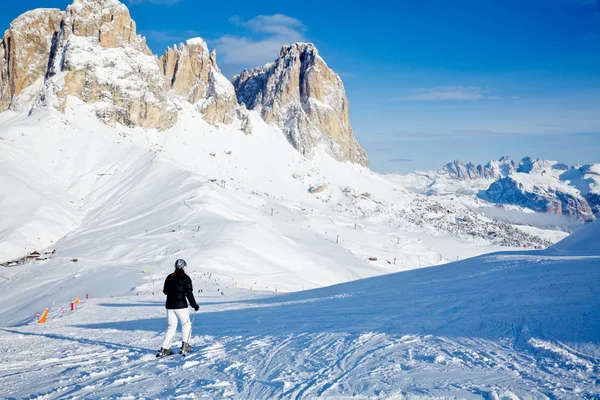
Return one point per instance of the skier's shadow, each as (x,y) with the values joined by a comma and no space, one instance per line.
(109,345)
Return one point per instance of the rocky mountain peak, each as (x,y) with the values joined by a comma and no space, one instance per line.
(24,52)
(92,51)
(192,72)
(492,170)
(299,48)
(107,20)
(305,98)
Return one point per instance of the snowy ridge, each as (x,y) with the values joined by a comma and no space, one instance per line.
(530,185)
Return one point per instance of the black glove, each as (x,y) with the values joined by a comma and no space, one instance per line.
(196,307)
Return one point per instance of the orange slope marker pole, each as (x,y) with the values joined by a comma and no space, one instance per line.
(44,316)
(77,300)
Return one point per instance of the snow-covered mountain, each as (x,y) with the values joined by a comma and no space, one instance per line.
(533,184)
(92,51)
(494,169)
(85,73)
(116,196)
(114,163)
(306,99)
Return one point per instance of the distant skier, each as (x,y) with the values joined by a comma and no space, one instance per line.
(178,288)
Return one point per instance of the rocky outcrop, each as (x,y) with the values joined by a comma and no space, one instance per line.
(306,99)
(90,51)
(104,61)
(108,21)
(25,53)
(190,71)
(548,200)
(492,170)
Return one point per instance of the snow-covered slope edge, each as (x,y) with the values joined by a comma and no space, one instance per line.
(504,325)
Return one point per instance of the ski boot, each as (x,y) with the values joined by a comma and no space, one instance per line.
(164,352)
(185,349)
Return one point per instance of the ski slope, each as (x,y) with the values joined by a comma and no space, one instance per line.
(125,202)
(266,233)
(505,325)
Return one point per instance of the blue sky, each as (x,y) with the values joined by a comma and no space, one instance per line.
(428,81)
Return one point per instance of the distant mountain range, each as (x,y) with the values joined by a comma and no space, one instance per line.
(535,184)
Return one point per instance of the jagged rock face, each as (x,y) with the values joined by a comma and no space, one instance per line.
(25,51)
(305,98)
(107,20)
(593,200)
(509,191)
(492,170)
(190,71)
(106,61)
(90,51)
(529,164)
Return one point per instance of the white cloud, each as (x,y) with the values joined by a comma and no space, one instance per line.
(170,37)
(447,93)
(266,35)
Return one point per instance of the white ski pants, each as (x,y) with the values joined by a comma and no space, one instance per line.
(186,326)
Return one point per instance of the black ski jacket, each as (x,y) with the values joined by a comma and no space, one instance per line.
(177,290)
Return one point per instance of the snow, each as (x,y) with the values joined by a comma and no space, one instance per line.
(112,197)
(574,188)
(125,68)
(586,240)
(221,85)
(265,251)
(197,41)
(504,325)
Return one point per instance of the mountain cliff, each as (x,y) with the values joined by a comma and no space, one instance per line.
(92,51)
(305,98)
(192,72)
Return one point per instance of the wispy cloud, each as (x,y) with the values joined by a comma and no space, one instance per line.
(266,34)
(346,74)
(469,133)
(448,93)
(158,2)
(170,36)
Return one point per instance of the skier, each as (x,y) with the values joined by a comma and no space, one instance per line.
(178,287)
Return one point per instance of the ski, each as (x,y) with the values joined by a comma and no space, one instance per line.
(164,353)
(186,349)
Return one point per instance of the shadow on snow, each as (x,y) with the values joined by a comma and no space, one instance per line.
(489,297)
